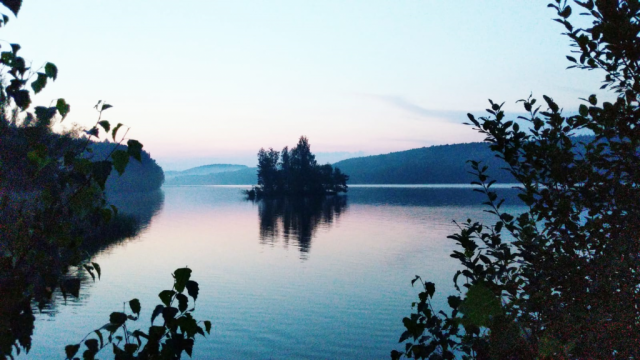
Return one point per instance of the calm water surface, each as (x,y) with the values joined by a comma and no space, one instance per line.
(279,280)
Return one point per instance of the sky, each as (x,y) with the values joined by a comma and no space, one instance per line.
(202,82)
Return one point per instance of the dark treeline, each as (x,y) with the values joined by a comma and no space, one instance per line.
(145,175)
(441,164)
(243,176)
(15,142)
(205,170)
(296,172)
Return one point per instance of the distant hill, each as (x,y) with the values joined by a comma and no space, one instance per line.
(223,174)
(205,170)
(441,164)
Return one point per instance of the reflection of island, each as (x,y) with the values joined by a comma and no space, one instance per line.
(297,219)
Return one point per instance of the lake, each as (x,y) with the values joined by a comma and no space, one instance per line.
(278,279)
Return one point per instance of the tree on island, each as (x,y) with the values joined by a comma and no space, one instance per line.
(296,172)
(560,280)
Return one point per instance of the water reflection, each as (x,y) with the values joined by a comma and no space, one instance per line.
(135,212)
(427,195)
(297,220)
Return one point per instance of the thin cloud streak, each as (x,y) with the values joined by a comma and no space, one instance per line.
(429,114)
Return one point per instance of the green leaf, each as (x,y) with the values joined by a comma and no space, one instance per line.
(593,100)
(134,304)
(188,346)
(115,131)
(120,160)
(92,345)
(71,350)
(566,12)
(105,125)
(117,318)
(22,98)
(92,132)
(63,108)
(181,277)
(101,171)
(165,296)
(97,267)
(89,270)
(14,6)
(6,57)
(130,348)
(105,107)
(207,326)
(430,288)
(39,83)
(51,71)
(193,289)
(99,337)
(183,302)
(169,313)
(480,305)
(156,333)
(5,19)
(454,301)
(157,311)
(584,110)
(134,147)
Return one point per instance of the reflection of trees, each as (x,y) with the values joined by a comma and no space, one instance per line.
(135,211)
(53,282)
(297,219)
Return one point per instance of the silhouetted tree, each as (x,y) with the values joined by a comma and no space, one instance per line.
(562,279)
(297,173)
(304,177)
(285,168)
(267,170)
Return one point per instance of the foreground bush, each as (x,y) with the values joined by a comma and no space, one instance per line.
(568,285)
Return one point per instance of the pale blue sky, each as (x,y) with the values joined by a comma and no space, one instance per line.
(213,81)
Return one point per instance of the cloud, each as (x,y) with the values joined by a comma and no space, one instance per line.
(429,114)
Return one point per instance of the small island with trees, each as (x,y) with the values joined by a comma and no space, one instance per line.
(295,172)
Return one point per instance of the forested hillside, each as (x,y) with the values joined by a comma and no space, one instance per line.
(442,164)
(205,170)
(145,175)
(244,176)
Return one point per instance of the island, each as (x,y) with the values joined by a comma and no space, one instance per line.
(295,172)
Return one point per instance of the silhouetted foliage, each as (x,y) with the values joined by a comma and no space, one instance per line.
(51,193)
(139,176)
(167,341)
(568,285)
(296,172)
